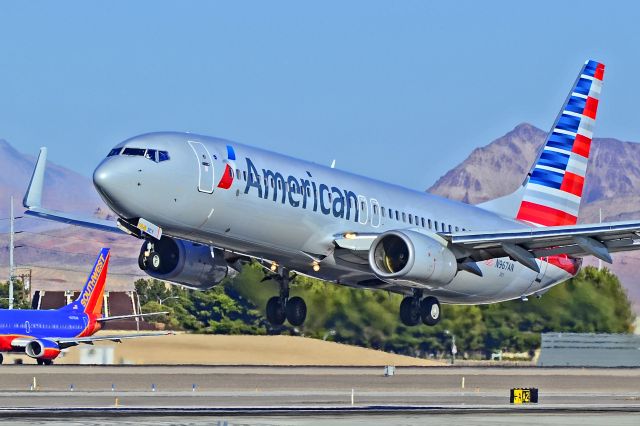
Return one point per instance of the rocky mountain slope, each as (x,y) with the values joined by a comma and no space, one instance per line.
(612,183)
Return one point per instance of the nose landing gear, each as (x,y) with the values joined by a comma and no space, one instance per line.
(281,308)
(415,308)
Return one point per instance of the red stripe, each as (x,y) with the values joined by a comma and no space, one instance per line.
(582,145)
(562,261)
(591,107)
(599,74)
(572,184)
(544,215)
(227,180)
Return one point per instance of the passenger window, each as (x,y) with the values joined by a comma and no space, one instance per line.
(422,219)
(435,224)
(397,215)
(114,151)
(457,229)
(231,173)
(442,225)
(410,220)
(382,211)
(375,209)
(238,174)
(449,228)
(404,217)
(163,156)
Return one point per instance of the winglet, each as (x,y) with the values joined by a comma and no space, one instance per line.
(33,197)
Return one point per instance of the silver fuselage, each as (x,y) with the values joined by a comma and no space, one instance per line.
(295,220)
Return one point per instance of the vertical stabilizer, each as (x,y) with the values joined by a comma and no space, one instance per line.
(552,191)
(92,294)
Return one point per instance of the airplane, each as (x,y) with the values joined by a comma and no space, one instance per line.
(202,204)
(43,334)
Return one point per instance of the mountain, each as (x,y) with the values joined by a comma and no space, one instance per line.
(64,189)
(59,256)
(612,183)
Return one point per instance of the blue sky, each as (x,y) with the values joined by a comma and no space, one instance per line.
(401,91)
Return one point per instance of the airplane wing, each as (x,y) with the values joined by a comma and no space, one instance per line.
(33,203)
(119,317)
(65,342)
(523,244)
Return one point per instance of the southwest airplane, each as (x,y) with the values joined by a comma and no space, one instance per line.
(201,204)
(43,334)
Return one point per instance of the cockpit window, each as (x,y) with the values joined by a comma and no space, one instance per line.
(151,155)
(137,152)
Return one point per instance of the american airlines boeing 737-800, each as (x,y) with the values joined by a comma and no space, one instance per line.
(202,204)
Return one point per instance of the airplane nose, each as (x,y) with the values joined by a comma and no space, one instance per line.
(110,181)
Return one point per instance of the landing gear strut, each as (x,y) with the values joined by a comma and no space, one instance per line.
(41,361)
(281,308)
(415,308)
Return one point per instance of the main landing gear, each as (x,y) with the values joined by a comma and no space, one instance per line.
(415,308)
(41,361)
(282,307)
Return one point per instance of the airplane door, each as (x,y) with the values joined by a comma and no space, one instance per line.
(375,213)
(27,327)
(205,167)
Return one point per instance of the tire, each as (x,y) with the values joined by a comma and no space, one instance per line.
(1,358)
(142,262)
(275,311)
(430,311)
(409,314)
(296,310)
(40,361)
(47,361)
(154,261)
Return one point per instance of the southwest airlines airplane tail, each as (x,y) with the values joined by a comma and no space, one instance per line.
(203,205)
(43,334)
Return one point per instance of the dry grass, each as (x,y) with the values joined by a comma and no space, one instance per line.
(242,350)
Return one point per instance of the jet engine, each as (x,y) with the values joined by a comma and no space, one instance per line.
(42,349)
(412,257)
(193,265)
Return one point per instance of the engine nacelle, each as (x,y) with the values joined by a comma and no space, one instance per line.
(192,265)
(413,257)
(42,349)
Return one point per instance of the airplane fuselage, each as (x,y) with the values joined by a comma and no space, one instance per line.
(289,211)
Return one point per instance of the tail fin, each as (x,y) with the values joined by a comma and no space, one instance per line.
(91,296)
(552,191)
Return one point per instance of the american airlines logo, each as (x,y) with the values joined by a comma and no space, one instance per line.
(302,193)
(93,281)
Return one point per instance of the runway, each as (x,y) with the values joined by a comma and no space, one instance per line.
(191,392)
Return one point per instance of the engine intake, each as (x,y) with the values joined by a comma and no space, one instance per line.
(42,349)
(192,265)
(412,257)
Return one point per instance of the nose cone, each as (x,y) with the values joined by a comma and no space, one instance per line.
(110,182)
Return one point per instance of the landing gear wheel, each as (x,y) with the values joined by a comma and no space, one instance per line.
(296,310)
(142,262)
(275,311)
(47,361)
(430,310)
(409,311)
(1,358)
(154,261)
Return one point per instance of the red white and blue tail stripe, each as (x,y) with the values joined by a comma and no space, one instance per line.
(554,188)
